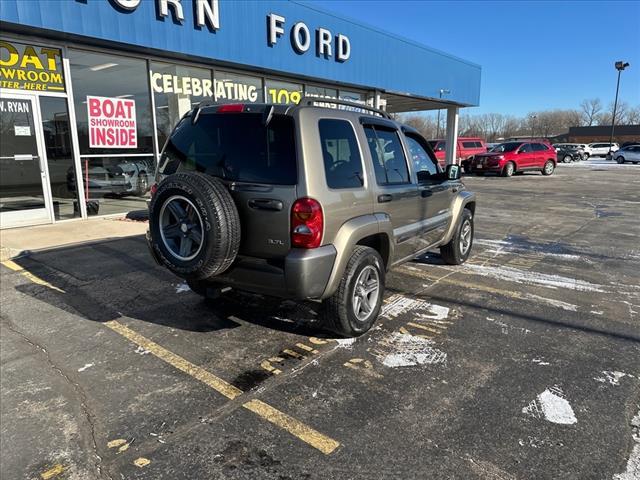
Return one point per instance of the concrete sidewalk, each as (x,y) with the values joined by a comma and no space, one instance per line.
(20,241)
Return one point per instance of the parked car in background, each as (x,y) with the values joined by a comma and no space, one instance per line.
(602,149)
(630,153)
(122,177)
(467,148)
(515,157)
(585,148)
(568,153)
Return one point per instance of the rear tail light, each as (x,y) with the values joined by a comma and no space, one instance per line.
(307,223)
(154,189)
(231,108)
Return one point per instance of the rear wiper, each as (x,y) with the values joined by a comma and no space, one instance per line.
(267,115)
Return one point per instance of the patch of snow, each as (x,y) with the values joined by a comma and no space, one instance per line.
(532,278)
(632,471)
(552,301)
(182,287)
(399,304)
(612,376)
(540,361)
(596,312)
(505,327)
(345,342)
(552,406)
(404,350)
(141,351)
(86,366)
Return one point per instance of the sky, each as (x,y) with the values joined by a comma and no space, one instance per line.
(534,55)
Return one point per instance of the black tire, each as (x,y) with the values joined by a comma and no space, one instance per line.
(338,310)
(452,253)
(567,159)
(509,169)
(620,159)
(548,168)
(208,213)
(479,174)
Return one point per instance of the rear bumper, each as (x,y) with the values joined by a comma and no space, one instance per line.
(303,274)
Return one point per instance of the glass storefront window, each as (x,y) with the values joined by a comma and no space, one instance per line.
(283,92)
(116,184)
(352,96)
(176,90)
(57,142)
(121,81)
(314,91)
(232,87)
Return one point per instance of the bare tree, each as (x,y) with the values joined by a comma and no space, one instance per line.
(590,110)
(633,116)
(622,110)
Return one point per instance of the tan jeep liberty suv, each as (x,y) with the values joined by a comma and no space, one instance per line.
(305,202)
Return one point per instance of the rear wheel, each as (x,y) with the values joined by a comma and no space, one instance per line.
(567,159)
(508,169)
(548,168)
(457,251)
(354,307)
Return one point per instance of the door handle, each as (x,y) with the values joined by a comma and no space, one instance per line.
(385,198)
(266,204)
(426,193)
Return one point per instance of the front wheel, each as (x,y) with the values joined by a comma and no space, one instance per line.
(457,251)
(508,169)
(620,159)
(548,168)
(354,307)
(567,159)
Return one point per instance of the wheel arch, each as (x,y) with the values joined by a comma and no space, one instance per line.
(464,199)
(373,231)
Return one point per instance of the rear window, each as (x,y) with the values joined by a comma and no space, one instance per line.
(235,147)
(341,154)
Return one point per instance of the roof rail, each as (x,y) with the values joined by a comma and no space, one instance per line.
(310,101)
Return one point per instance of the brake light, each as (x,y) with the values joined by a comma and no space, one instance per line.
(307,223)
(154,189)
(231,108)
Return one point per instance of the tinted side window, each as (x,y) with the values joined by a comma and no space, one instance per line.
(469,144)
(234,147)
(526,148)
(342,162)
(420,157)
(538,147)
(388,158)
(479,145)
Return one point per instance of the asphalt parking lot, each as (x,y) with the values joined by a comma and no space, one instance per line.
(522,364)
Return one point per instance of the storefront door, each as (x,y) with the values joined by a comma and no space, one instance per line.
(24,186)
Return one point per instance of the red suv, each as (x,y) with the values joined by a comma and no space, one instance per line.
(467,148)
(511,157)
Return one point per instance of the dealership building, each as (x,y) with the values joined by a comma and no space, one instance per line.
(90,89)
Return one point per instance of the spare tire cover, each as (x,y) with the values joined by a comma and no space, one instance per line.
(194,225)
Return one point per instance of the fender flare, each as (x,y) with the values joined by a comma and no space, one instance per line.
(463,199)
(348,236)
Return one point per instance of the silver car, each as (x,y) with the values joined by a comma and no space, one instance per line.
(630,153)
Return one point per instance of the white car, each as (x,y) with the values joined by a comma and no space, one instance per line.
(630,153)
(602,149)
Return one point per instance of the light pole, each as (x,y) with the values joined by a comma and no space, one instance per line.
(620,66)
(533,123)
(442,91)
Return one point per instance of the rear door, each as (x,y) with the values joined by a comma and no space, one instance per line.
(258,164)
(396,192)
(436,193)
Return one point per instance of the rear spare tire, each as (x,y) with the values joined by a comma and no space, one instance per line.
(194,225)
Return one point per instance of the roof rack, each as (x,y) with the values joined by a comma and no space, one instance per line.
(310,101)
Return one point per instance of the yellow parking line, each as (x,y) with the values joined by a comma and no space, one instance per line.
(305,433)
(423,327)
(53,472)
(291,353)
(462,283)
(306,347)
(10,264)
(176,361)
(270,368)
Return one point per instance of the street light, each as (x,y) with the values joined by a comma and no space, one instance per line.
(442,91)
(533,122)
(620,66)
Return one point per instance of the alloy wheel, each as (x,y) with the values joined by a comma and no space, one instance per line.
(366,292)
(181,228)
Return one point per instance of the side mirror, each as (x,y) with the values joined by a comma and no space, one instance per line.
(452,172)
